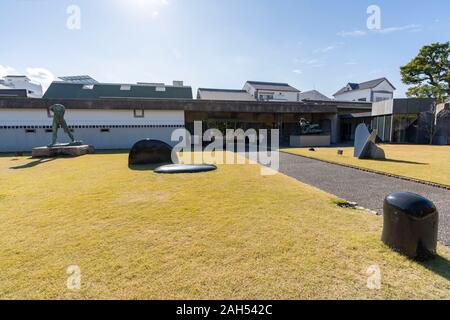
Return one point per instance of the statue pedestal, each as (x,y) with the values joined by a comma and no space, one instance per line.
(62,150)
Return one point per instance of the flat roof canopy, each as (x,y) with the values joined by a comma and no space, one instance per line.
(179,104)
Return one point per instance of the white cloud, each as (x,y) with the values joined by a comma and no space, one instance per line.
(297,71)
(355,33)
(324,50)
(38,75)
(351,63)
(177,54)
(41,75)
(7,70)
(308,61)
(361,33)
(147,8)
(411,27)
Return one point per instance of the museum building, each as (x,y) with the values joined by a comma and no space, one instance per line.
(115,116)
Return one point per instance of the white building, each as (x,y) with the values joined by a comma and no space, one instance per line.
(21,83)
(272,91)
(107,116)
(369,91)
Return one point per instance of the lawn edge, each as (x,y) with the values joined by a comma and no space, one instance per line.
(387,174)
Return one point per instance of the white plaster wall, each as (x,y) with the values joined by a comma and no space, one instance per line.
(355,95)
(16,140)
(283,96)
(382,108)
(380,96)
(384,86)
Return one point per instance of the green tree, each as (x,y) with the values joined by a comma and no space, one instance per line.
(429,72)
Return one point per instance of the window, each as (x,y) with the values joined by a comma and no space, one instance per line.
(405,128)
(266,97)
(161,89)
(125,87)
(363,99)
(30,130)
(104,130)
(139,113)
(88,87)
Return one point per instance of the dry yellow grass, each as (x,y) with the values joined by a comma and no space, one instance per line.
(423,162)
(228,234)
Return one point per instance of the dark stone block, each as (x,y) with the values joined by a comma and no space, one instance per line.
(150,152)
(185,168)
(411,225)
(365,146)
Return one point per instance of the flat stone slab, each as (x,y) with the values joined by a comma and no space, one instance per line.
(55,151)
(185,168)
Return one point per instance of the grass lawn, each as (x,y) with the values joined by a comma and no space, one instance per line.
(423,162)
(228,234)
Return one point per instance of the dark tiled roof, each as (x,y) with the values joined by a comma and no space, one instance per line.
(363,85)
(69,90)
(274,86)
(313,95)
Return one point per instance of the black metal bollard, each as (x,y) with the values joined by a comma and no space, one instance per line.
(411,225)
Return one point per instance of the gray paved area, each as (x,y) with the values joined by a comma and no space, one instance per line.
(366,189)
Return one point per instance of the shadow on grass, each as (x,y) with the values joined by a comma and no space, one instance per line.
(439,265)
(145,167)
(399,161)
(33,164)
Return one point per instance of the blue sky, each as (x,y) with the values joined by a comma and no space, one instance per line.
(321,44)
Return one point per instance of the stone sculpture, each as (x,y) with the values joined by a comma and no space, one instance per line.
(185,168)
(150,152)
(365,146)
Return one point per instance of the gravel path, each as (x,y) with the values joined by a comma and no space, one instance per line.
(366,189)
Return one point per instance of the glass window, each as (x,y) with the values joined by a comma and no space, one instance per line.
(405,128)
(380,125)
(387,129)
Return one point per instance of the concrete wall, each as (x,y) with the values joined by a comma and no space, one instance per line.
(15,140)
(310,141)
(383,108)
(24,129)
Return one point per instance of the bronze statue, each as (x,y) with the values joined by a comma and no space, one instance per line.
(58,121)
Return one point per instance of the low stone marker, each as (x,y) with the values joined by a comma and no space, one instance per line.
(62,150)
(411,225)
(149,151)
